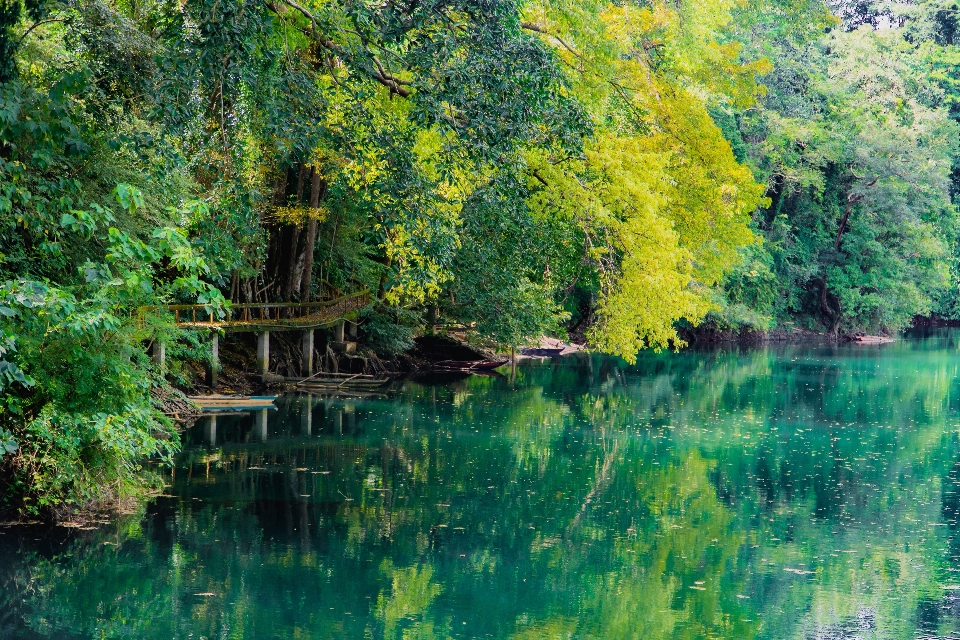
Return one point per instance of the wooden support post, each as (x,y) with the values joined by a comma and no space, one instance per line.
(352,330)
(350,418)
(338,332)
(260,425)
(214,372)
(307,368)
(212,431)
(160,355)
(306,418)
(338,421)
(263,352)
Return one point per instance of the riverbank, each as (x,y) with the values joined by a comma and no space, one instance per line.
(238,376)
(238,373)
(785,334)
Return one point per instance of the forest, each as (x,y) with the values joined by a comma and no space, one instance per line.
(632,172)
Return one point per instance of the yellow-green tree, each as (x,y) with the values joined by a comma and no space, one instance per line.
(662,203)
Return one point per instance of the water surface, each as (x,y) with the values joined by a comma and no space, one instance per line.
(774,492)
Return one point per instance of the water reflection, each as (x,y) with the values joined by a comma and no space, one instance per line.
(793,492)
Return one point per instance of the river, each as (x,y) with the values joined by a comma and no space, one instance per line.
(770,492)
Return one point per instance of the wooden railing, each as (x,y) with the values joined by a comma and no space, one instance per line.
(289,315)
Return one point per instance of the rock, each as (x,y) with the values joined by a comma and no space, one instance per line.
(347,347)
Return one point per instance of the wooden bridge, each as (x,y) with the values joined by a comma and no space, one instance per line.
(264,318)
(267,316)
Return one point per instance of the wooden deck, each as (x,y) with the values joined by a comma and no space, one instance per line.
(273,316)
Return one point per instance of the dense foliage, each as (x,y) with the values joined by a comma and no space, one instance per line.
(856,140)
(617,170)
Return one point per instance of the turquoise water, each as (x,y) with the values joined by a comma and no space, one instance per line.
(773,492)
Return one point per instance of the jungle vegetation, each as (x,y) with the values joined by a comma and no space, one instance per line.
(621,170)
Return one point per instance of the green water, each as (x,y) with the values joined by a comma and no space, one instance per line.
(779,492)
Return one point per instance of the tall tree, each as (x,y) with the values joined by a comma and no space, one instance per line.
(856,146)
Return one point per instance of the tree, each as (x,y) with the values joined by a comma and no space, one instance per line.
(661,202)
(91,214)
(856,146)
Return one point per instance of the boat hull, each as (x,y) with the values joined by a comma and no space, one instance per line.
(469,365)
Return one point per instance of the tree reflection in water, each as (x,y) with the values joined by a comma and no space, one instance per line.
(784,492)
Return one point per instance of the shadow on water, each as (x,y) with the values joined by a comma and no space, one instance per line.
(772,492)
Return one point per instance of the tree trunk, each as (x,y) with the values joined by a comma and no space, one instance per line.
(247,287)
(824,305)
(288,257)
(298,272)
(837,315)
(851,200)
(272,269)
(291,263)
(307,281)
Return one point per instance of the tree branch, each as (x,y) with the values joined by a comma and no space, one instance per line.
(531,26)
(391,82)
(34,26)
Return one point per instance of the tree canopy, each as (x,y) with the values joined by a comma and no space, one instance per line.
(623,171)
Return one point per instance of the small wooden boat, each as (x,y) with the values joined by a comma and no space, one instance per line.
(345,392)
(469,365)
(339,382)
(872,340)
(311,387)
(233,403)
(330,381)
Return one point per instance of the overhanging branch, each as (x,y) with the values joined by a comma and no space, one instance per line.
(532,26)
(376,71)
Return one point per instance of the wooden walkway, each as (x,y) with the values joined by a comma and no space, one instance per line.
(273,316)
